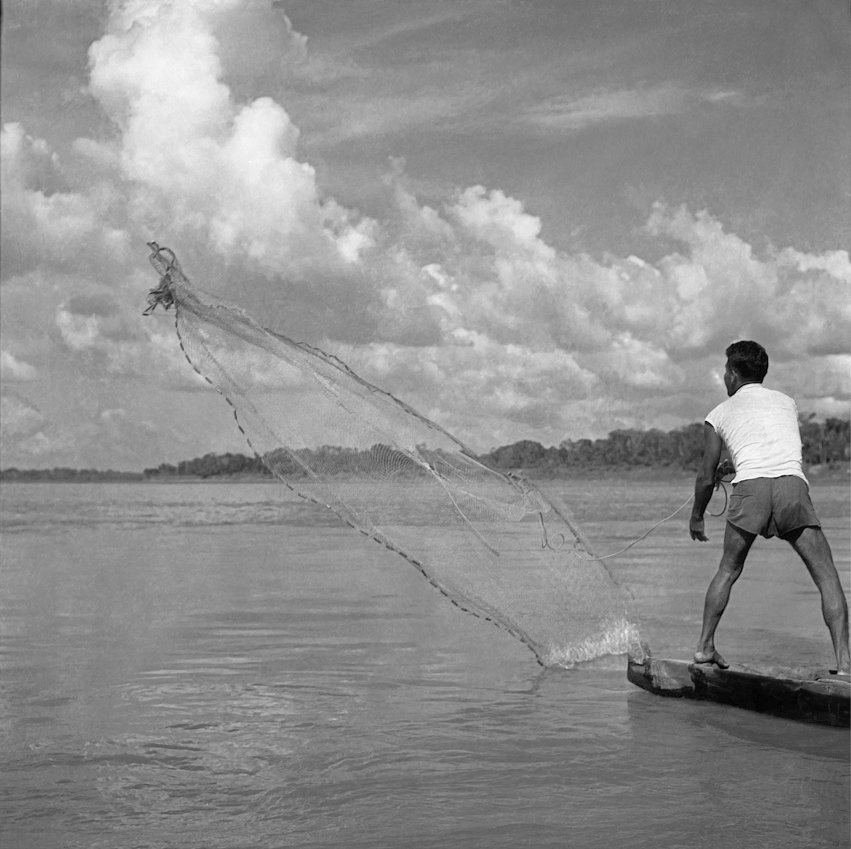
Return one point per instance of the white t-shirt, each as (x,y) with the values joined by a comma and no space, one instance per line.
(760,429)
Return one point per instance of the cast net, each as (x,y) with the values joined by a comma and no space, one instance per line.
(488,541)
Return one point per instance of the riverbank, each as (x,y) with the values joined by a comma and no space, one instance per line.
(826,472)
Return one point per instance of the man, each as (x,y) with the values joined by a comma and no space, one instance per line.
(770,495)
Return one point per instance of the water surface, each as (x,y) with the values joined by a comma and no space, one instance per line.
(220,665)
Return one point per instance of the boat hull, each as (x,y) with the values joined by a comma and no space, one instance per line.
(822,699)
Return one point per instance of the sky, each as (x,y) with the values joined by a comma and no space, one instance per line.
(527,219)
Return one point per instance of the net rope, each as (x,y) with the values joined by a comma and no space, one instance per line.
(482,538)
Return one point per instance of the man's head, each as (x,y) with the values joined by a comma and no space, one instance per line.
(747,362)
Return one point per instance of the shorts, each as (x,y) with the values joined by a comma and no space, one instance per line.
(772,506)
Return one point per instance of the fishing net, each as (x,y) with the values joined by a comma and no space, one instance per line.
(490,542)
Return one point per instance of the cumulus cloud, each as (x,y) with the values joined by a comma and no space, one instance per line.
(202,165)
(18,418)
(836,264)
(78,332)
(797,302)
(460,306)
(646,335)
(43,223)
(114,345)
(13,369)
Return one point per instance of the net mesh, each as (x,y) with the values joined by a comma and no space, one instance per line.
(490,542)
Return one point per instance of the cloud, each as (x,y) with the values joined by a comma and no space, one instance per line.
(797,302)
(836,264)
(77,331)
(500,221)
(45,225)
(201,165)
(18,418)
(647,336)
(460,306)
(13,369)
(576,113)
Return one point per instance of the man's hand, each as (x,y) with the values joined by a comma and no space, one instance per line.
(695,527)
(724,468)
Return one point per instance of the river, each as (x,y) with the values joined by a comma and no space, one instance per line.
(219,665)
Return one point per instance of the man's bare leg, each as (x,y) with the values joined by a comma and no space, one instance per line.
(814,549)
(737,544)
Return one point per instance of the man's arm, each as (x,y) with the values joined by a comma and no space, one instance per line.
(705,482)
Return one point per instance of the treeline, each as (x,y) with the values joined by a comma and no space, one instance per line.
(679,449)
(331,459)
(66,475)
(824,443)
(210,465)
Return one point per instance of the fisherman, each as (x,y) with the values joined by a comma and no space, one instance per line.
(770,495)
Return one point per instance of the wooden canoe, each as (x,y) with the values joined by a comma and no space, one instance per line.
(822,698)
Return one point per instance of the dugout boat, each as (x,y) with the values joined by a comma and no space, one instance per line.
(823,698)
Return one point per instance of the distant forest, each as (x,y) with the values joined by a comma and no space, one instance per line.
(824,443)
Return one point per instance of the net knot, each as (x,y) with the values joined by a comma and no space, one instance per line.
(162,295)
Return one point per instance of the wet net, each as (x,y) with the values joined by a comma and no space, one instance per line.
(490,542)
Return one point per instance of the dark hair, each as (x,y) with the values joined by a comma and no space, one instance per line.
(749,359)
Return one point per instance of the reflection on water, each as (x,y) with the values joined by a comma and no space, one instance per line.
(238,670)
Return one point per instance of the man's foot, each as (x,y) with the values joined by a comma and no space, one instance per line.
(712,658)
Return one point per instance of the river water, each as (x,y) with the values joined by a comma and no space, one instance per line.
(218,665)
